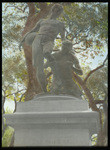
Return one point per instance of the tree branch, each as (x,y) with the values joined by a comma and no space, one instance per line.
(80,48)
(6,87)
(32,9)
(92,104)
(25,8)
(15,92)
(15,7)
(21,97)
(81,39)
(95,69)
(15,104)
(99,101)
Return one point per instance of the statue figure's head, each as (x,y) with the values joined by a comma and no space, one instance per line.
(66,46)
(56,10)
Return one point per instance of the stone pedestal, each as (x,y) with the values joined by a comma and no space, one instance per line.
(53,121)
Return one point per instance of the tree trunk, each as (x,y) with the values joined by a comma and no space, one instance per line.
(33,86)
(102,139)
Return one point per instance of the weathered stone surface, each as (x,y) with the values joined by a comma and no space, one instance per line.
(48,123)
(53,103)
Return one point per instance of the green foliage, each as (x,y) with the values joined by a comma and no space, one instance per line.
(94,139)
(86,70)
(14,71)
(57,44)
(48,3)
(14,76)
(6,139)
(13,61)
(87,26)
(49,79)
(97,83)
(8,111)
(12,14)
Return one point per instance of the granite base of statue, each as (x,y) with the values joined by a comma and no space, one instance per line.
(59,117)
(53,120)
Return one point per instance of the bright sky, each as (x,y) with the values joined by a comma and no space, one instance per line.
(98,59)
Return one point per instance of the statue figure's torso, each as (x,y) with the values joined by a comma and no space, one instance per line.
(50,28)
(64,63)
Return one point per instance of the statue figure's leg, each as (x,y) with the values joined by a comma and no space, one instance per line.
(40,73)
(36,48)
(38,61)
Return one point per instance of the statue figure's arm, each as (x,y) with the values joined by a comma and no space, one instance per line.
(50,60)
(77,67)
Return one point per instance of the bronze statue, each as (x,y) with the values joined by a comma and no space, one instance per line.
(43,41)
(62,76)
